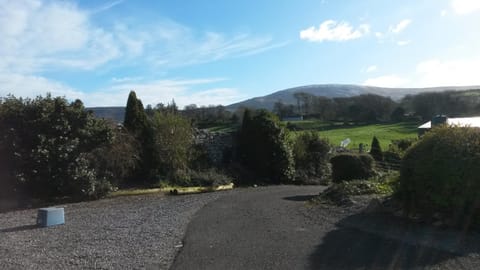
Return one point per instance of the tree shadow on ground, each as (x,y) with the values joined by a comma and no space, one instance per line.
(19,228)
(352,247)
(300,198)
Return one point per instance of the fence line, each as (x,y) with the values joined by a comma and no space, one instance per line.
(388,165)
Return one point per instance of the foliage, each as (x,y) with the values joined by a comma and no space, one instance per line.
(311,156)
(135,118)
(209,177)
(283,110)
(117,160)
(50,148)
(452,103)
(348,166)
(173,143)
(398,114)
(440,174)
(362,187)
(339,193)
(375,150)
(263,147)
(403,144)
(138,124)
(363,108)
(211,116)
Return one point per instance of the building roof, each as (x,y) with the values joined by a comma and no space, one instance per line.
(462,122)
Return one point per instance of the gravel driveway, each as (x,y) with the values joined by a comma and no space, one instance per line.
(137,232)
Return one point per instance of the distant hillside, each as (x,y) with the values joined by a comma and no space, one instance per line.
(113,113)
(286,96)
(336,90)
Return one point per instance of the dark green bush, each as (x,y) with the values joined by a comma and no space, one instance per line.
(348,166)
(138,124)
(117,160)
(441,173)
(311,155)
(263,148)
(209,178)
(49,145)
(376,150)
(403,144)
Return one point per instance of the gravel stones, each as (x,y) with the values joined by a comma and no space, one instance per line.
(134,232)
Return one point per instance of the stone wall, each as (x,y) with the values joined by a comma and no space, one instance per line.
(216,144)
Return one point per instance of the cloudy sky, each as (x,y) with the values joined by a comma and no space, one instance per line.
(219,52)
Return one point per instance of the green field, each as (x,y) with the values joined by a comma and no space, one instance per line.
(385,133)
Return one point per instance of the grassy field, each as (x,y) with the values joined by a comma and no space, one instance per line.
(338,131)
(385,133)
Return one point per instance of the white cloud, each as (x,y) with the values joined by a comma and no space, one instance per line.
(402,25)
(403,42)
(331,30)
(387,81)
(163,91)
(443,13)
(107,6)
(41,35)
(433,73)
(371,69)
(436,72)
(126,79)
(183,47)
(38,35)
(393,32)
(151,92)
(32,86)
(465,6)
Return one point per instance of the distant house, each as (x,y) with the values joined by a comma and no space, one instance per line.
(442,119)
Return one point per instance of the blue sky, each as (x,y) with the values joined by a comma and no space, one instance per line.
(220,52)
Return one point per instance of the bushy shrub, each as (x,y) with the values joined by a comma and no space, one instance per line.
(403,144)
(441,172)
(209,178)
(48,144)
(173,143)
(311,155)
(117,160)
(340,193)
(264,149)
(376,150)
(348,166)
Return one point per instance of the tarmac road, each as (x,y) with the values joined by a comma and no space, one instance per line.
(275,228)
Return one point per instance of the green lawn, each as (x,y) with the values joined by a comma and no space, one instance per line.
(362,134)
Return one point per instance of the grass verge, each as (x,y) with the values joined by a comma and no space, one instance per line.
(168,190)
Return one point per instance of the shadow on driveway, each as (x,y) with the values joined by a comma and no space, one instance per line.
(351,246)
(19,228)
(300,198)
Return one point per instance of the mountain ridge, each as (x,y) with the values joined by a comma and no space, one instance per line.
(116,113)
(337,90)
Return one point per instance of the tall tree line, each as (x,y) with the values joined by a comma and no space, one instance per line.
(374,108)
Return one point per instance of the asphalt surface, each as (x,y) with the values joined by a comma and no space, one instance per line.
(275,228)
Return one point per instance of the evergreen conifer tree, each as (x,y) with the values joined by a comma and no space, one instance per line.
(138,124)
(376,150)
